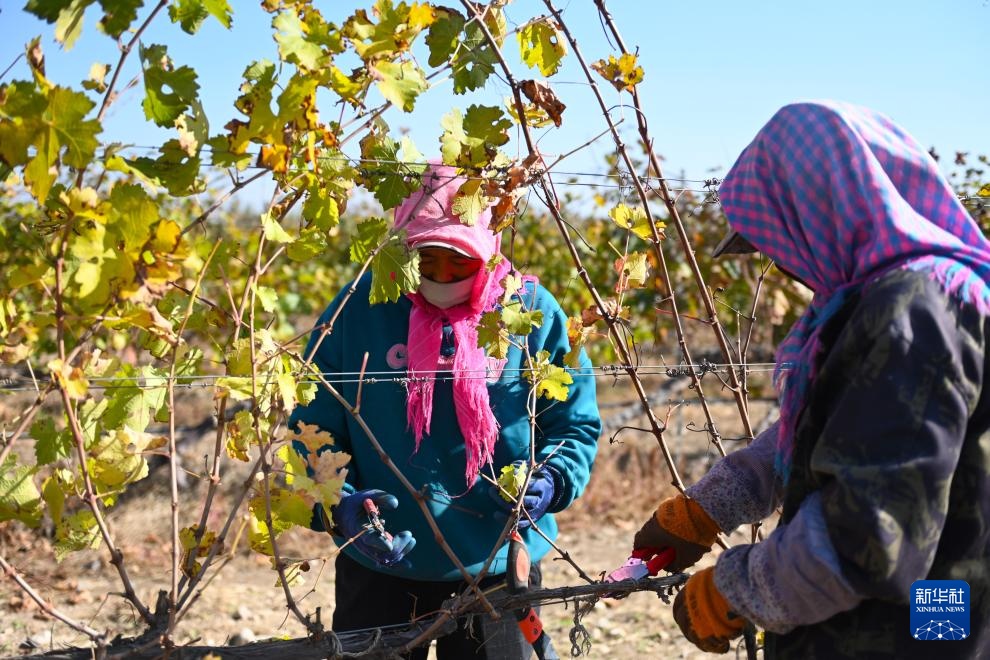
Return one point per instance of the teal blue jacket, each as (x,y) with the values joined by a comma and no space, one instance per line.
(566,431)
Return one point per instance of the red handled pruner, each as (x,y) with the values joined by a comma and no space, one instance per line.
(375,522)
(642,562)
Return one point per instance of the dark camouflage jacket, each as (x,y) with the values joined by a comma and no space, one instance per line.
(907,364)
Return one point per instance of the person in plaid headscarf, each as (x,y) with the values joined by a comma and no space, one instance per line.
(881,457)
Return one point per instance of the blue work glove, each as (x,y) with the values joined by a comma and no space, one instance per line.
(537,500)
(351,518)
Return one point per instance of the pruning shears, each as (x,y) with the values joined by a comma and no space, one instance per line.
(375,523)
(642,562)
(517,582)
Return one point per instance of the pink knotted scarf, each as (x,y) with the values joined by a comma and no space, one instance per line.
(426,216)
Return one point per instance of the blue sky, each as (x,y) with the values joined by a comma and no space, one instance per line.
(715,71)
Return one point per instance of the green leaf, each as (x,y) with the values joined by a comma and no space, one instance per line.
(472,141)
(550,380)
(320,208)
(19,497)
(470,201)
(190,14)
(174,169)
(397,27)
(53,491)
(394,271)
(542,46)
(274,232)
(48,10)
(267,297)
(520,322)
(56,122)
(390,175)
(68,27)
(312,242)
(474,60)
(369,234)
(66,110)
(78,531)
(118,16)
(288,509)
(161,105)
(21,122)
(453,137)
(131,404)
(295,43)
(444,35)
(49,444)
(492,335)
(400,82)
(132,214)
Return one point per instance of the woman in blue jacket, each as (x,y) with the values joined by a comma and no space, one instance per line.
(461,412)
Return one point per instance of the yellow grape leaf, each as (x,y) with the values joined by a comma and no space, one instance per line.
(116,458)
(549,380)
(633,270)
(19,496)
(511,285)
(287,390)
(293,572)
(187,537)
(274,232)
(542,46)
(984,191)
(634,219)
(399,82)
(492,335)
(328,467)
(294,463)
(421,16)
(69,378)
(511,480)
(78,531)
(312,436)
(274,157)
(167,238)
(520,322)
(470,201)
(240,435)
(288,509)
(577,336)
(259,538)
(624,73)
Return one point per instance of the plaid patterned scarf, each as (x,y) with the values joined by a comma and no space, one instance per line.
(839,195)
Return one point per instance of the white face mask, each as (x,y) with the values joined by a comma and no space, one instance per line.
(446,294)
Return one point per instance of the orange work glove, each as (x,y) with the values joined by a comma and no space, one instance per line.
(679,523)
(703,614)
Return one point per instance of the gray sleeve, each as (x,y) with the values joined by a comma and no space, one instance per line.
(790,579)
(742,487)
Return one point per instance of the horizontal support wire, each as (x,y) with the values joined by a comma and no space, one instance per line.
(379,377)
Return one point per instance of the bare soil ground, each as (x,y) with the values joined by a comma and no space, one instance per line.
(242,604)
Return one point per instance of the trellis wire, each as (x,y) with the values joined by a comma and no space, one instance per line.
(379,377)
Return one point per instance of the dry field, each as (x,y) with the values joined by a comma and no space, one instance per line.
(242,604)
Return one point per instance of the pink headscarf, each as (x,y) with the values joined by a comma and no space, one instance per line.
(426,216)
